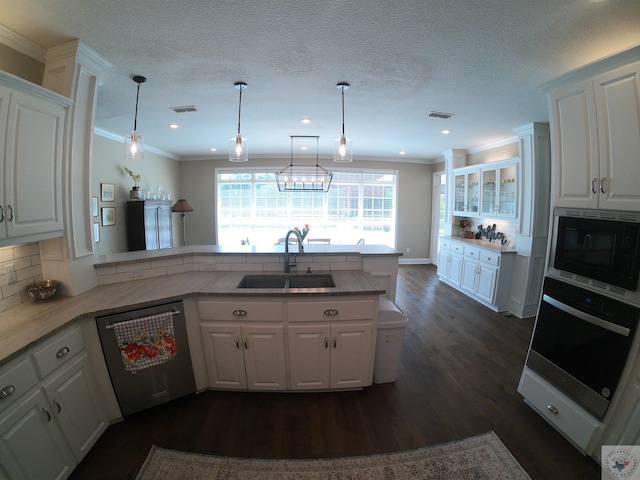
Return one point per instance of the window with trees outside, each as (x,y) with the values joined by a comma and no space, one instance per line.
(359,205)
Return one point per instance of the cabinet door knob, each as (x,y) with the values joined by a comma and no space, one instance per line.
(239,313)
(62,352)
(552,409)
(331,312)
(6,391)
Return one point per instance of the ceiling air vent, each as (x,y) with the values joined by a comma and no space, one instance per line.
(183,109)
(441,115)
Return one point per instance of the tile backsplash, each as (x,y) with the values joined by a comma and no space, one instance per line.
(25,260)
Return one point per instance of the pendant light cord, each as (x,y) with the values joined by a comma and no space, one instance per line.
(342,88)
(135,118)
(240,87)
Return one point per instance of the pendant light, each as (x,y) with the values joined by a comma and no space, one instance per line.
(134,143)
(342,149)
(238,151)
(303,177)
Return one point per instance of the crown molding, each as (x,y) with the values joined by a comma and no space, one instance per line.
(21,44)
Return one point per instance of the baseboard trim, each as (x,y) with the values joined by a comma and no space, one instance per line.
(414,261)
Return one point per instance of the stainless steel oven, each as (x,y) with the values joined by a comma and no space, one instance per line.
(581,341)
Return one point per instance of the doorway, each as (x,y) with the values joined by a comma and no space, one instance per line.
(439,207)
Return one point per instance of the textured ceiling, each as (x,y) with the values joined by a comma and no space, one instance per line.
(482,60)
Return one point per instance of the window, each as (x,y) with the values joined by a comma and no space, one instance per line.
(359,204)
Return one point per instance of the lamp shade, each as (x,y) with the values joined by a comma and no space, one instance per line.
(182,205)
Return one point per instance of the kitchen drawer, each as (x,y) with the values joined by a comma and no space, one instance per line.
(489,257)
(241,310)
(558,409)
(445,244)
(330,310)
(58,351)
(15,380)
(472,252)
(457,247)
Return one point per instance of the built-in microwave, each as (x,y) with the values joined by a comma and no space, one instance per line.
(604,250)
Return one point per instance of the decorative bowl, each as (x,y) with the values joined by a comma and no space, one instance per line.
(43,289)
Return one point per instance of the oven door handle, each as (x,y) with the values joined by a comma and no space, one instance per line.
(612,327)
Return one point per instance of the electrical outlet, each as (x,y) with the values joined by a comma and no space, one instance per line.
(12,276)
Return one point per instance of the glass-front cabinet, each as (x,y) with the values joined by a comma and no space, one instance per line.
(488,190)
(466,192)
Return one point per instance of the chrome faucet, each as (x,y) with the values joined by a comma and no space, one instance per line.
(287,262)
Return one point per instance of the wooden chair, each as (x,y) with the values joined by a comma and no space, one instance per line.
(319,241)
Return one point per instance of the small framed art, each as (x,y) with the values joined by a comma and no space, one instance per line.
(94,206)
(108,216)
(107,192)
(96,232)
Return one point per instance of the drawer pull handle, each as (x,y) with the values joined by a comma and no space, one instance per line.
(246,344)
(239,313)
(47,414)
(237,343)
(62,352)
(331,312)
(602,184)
(335,342)
(593,187)
(1,214)
(326,343)
(6,391)
(58,406)
(552,409)
(10,208)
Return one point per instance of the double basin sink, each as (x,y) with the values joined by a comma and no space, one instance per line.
(287,281)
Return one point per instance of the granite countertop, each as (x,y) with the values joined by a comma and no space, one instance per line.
(480,243)
(22,326)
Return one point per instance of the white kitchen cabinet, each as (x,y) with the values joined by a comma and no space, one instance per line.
(244,344)
(482,271)
(499,189)
(330,356)
(595,133)
(241,357)
(32,128)
(450,262)
(74,403)
(31,443)
(331,343)
(51,413)
(466,190)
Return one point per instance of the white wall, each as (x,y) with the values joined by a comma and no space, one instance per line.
(197,182)
(107,167)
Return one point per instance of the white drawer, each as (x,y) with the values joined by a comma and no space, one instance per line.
(58,351)
(445,244)
(472,252)
(488,257)
(330,310)
(15,380)
(457,247)
(558,409)
(241,310)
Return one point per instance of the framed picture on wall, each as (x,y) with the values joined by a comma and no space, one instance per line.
(94,206)
(108,216)
(107,192)
(96,231)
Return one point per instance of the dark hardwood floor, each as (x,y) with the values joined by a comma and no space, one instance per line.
(458,375)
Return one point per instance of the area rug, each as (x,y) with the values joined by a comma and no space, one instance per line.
(483,457)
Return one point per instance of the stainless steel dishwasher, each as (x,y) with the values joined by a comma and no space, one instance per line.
(147,354)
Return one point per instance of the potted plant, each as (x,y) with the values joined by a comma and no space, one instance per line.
(463,223)
(134,194)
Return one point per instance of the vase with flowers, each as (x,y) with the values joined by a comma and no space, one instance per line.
(305,230)
(463,224)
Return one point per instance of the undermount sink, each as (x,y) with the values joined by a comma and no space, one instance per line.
(286,281)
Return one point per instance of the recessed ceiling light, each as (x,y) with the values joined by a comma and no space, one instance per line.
(173,125)
(446,131)
(402,152)
(306,121)
(213,149)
